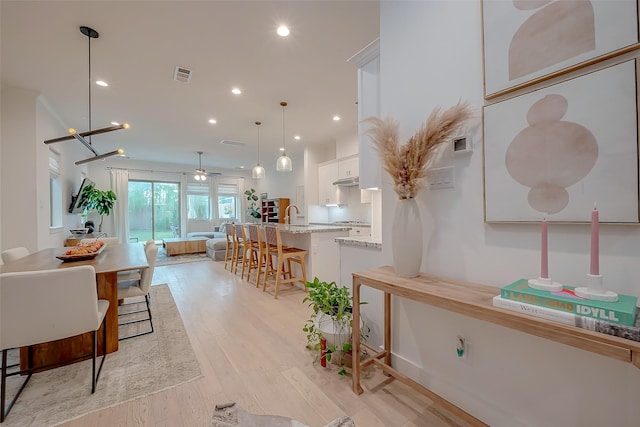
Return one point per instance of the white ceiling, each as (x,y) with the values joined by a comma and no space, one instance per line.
(224,43)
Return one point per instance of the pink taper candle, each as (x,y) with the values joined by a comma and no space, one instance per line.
(544,255)
(595,242)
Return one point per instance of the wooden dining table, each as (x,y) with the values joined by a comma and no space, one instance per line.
(113,259)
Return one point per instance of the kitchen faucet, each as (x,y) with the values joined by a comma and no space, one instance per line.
(287,220)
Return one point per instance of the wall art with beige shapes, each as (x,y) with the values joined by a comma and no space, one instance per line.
(526,40)
(556,151)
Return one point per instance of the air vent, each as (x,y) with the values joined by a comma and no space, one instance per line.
(182,74)
(233,143)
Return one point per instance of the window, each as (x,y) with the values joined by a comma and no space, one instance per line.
(228,201)
(198,201)
(154,210)
(55,191)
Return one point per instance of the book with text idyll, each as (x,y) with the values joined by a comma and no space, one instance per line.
(623,311)
(571,319)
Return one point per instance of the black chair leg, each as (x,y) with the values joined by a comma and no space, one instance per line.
(4,409)
(93,365)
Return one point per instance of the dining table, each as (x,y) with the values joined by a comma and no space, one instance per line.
(112,259)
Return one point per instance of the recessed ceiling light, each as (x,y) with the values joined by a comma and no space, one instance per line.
(336,118)
(240,167)
(297,137)
(213,121)
(283,31)
(236,91)
(281,148)
(102,83)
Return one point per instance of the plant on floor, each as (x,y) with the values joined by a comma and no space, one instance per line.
(252,198)
(98,200)
(330,319)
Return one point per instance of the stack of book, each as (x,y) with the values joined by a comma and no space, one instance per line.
(612,318)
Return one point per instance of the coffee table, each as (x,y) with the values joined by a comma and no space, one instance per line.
(179,246)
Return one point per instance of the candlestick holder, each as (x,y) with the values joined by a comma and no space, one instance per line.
(595,290)
(545,284)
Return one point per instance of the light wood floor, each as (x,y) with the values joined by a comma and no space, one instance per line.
(251,350)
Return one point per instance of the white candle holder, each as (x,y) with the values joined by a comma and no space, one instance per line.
(595,290)
(545,284)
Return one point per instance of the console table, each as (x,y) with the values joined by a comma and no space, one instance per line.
(473,300)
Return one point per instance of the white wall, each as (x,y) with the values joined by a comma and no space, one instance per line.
(26,122)
(431,54)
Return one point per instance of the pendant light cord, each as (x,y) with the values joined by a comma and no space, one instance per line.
(89,88)
(284,144)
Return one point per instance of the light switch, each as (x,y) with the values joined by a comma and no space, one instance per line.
(439,178)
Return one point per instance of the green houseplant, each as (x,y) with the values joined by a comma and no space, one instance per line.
(331,307)
(252,198)
(98,200)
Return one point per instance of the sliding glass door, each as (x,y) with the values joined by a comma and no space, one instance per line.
(154,210)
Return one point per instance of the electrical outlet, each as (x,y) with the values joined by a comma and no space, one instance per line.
(462,348)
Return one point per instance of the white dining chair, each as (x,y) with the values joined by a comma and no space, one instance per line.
(14,254)
(134,275)
(47,305)
(139,288)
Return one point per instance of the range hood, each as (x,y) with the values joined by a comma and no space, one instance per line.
(348,182)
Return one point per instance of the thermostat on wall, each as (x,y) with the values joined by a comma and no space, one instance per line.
(461,145)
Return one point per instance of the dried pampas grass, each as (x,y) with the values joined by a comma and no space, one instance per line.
(406,163)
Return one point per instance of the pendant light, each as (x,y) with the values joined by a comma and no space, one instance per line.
(258,171)
(91,34)
(284,163)
(200,173)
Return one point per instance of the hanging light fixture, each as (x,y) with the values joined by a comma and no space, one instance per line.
(258,171)
(200,175)
(91,34)
(284,163)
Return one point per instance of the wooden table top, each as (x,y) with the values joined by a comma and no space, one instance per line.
(122,257)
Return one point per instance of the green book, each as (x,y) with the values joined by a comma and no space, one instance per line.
(623,311)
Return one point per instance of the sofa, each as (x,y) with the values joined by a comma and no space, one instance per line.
(217,243)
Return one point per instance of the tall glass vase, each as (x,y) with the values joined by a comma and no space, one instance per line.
(406,238)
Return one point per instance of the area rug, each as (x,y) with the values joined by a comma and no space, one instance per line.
(164,259)
(142,365)
(229,415)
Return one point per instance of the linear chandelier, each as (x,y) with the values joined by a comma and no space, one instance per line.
(73,134)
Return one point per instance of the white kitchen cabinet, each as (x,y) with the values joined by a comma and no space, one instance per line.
(348,168)
(329,194)
(368,63)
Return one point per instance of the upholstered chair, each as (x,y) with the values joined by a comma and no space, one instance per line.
(14,254)
(47,305)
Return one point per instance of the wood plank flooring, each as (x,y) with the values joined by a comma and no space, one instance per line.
(251,350)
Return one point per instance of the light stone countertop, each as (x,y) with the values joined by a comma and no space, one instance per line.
(364,241)
(311,228)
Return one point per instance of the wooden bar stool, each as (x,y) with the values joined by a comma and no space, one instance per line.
(282,274)
(257,253)
(240,248)
(228,253)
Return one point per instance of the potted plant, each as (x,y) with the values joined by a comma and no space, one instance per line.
(252,198)
(98,200)
(330,319)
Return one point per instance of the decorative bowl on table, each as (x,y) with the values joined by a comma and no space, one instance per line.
(83,251)
(79,230)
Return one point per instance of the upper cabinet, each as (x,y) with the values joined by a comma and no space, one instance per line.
(348,168)
(328,193)
(368,63)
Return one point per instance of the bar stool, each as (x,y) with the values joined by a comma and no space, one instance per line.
(257,253)
(228,252)
(240,248)
(289,254)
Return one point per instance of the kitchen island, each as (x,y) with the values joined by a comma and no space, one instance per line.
(323,260)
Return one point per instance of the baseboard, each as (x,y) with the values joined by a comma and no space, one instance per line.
(481,409)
